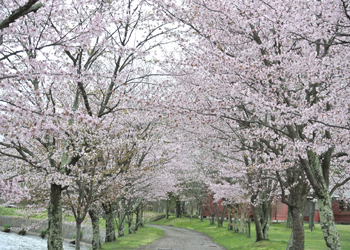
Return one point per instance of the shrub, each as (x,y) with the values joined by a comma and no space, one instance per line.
(7,228)
(22,231)
(42,233)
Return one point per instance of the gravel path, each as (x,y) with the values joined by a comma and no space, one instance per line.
(182,239)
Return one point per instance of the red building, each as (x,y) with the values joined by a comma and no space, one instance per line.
(279,211)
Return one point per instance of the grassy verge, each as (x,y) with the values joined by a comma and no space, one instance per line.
(278,235)
(143,236)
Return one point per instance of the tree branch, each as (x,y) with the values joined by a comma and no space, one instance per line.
(30,6)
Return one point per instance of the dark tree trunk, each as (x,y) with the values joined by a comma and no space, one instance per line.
(77,234)
(217,214)
(167,206)
(191,210)
(141,217)
(223,215)
(248,228)
(131,227)
(54,241)
(212,217)
(297,236)
(262,219)
(120,225)
(109,217)
(138,219)
(312,215)
(236,216)
(201,208)
(242,221)
(183,208)
(178,208)
(298,189)
(330,233)
(318,173)
(229,218)
(96,244)
(289,219)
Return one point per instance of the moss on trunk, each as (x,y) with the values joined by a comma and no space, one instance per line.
(54,241)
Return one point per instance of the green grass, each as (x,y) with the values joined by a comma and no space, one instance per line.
(8,211)
(143,236)
(278,235)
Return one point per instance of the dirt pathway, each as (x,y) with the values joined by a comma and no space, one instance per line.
(182,239)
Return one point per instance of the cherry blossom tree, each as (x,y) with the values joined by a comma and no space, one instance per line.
(277,68)
(68,76)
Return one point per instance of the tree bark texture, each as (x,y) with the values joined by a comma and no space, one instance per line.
(167,207)
(236,220)
(54,241)
(217,214)
(318,174)
(229,218)
(201,211)
(297,236)
(262,219)
(109,217)
(289,219)
(130,218)
(121,223)
(137,219)
(330,233)
(178,208)
(77,235)
(242,221)
(298,188)
(312,215)
(96,243)
(141,217)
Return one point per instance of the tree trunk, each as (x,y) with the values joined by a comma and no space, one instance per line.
(312,215)
(109,217)
(167,205)
(330,233)
(318,174)
(297,236)
(77,235)
(141,217)
(229,218)
(183,208)
(96,244)
(212,217)
(298,189)
(248,228)
(178,208)
(262,219)
(201,208)
(54,241)
(290,242)
(120,226)
(289,219)
(236,219)
(223,215)
(137,220)
(242,221)
(191,210)
(130,218)
(217,214)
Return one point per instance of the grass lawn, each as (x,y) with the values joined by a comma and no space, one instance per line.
(278,235)
(145,235)
(142,237)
